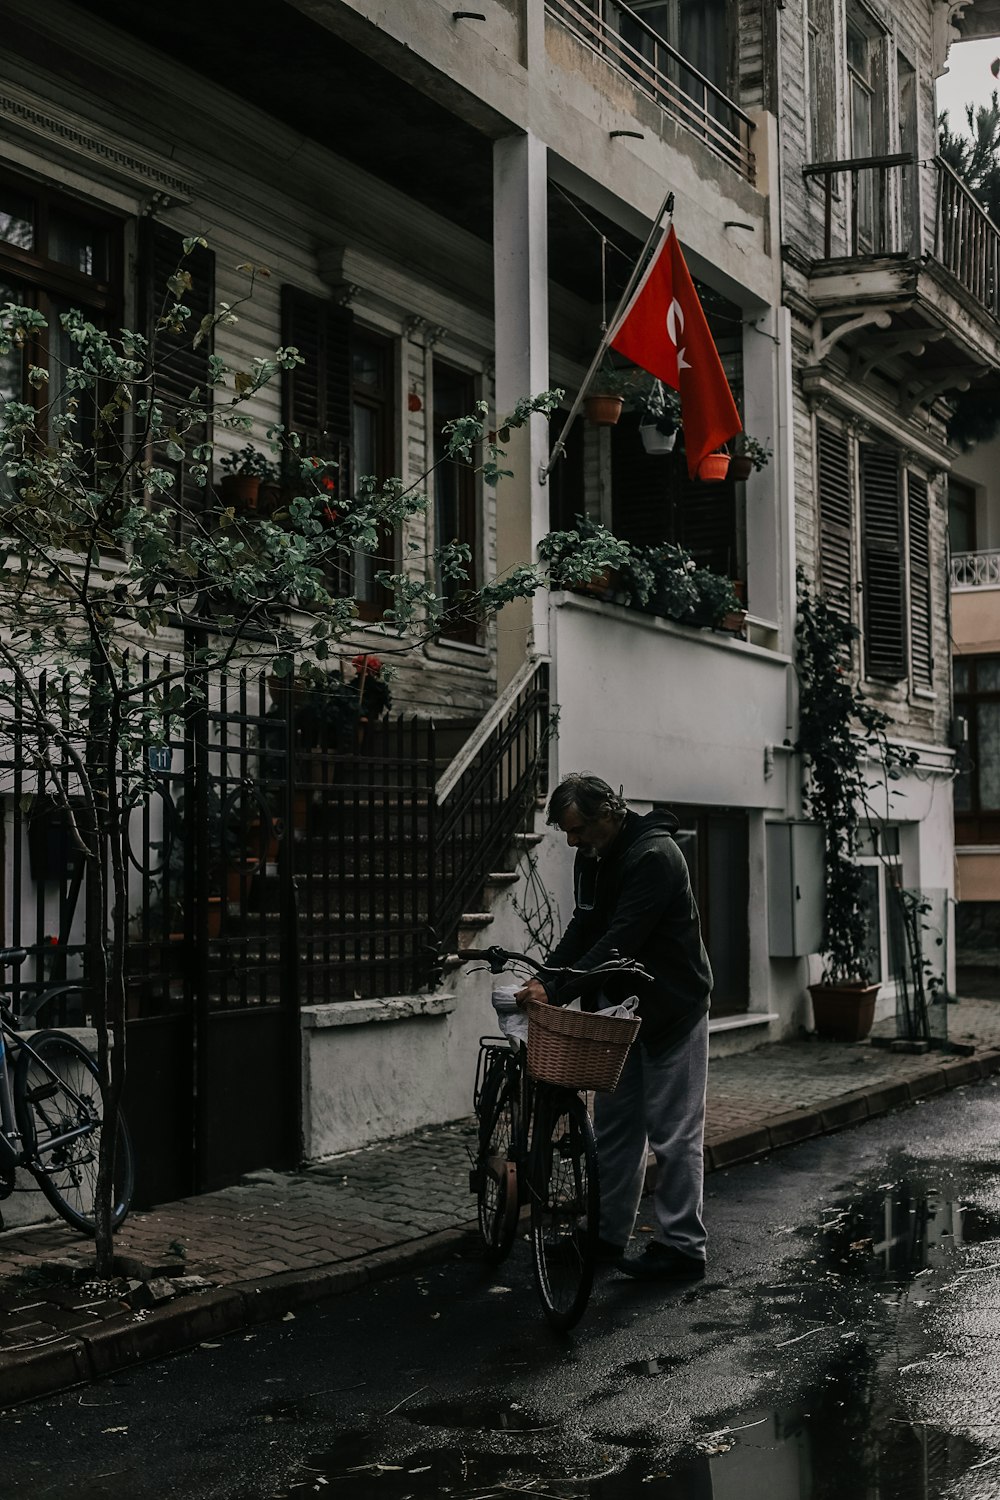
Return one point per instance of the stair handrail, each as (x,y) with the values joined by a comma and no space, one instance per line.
(453,773)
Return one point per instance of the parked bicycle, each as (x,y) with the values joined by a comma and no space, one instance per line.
(536,1140)
(51,1115)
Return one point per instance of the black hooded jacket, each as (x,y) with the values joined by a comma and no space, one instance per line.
(637,898)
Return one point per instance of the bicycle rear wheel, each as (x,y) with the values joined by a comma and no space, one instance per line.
(565,1204)
(57,1102)
(496,1182)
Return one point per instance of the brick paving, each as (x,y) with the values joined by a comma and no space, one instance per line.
(277,1239)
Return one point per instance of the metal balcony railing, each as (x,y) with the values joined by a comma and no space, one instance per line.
(662,74)
(975,570)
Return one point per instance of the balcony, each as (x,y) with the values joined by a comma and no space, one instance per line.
(975,570)
(661,74)
(905,274)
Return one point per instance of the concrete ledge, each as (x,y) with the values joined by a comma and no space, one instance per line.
(849,1110)
(186,1321)
(797,1125)
(28,1373)
(363,1012)
(737,1147)
(933,1081)
(885,1096)
(273,1296)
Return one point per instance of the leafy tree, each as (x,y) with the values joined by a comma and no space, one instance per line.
(975,156)
(104,554)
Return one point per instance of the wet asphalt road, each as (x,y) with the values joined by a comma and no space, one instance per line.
(844,1347)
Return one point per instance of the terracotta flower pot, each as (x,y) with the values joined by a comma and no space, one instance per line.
(741,467)
(844,1012)
(241,489)
(713,467)
(735,620)
(603,411)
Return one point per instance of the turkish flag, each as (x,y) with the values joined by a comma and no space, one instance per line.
(664,330)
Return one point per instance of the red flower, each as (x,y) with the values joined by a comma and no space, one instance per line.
(371,666)
(328,483)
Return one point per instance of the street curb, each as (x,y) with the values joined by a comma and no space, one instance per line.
(91,1353)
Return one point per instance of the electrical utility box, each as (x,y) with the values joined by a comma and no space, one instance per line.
(795,904)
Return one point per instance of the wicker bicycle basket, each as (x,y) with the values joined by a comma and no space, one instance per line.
(577,1049)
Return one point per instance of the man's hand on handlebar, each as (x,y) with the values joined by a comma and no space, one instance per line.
(533,990)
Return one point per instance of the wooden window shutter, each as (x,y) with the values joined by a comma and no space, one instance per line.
(655,501)
(641,487)
(882,563)
(833,450)
(184,368)
(316,395)
(921,641)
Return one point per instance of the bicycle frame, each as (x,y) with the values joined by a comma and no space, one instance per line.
(10,1136)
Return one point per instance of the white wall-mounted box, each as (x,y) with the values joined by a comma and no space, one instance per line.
(794,889)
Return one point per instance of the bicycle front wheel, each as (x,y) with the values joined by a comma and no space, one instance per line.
(565,1205)
(497,1184)
(57,1102)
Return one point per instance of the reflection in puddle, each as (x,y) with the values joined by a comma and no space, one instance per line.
(482,1416)
(898,1230)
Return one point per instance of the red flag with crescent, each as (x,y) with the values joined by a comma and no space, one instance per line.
(664,330)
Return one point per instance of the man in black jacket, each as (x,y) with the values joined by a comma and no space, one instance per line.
(633,894)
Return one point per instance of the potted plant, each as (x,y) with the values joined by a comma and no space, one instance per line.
(661,579)
(714,467)
(716,599)
(588,557)
(839,732)
(244,472)
(602,405)
(750,455)
(660,417)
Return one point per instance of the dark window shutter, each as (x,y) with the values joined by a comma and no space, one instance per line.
(882,563)
(316,395)
(642,487)
(833,452)
(654,501)
(921,645)
(181,368)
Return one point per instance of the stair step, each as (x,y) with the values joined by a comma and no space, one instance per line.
(475,919)
(528,840)
(501,877)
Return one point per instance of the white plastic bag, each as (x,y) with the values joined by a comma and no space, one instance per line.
(513,1021)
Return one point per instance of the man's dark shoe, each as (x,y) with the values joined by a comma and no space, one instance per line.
(662,1263)
(607,1253)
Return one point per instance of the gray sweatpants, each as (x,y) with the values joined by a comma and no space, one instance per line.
(660,1101)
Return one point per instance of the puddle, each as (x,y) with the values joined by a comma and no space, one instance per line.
(482,1416)
(897,1231)
(660,1364)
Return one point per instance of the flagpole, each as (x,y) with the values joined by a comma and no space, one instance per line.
(666,207)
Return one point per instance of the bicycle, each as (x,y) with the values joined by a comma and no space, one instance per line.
(536,1145)
(51,1117)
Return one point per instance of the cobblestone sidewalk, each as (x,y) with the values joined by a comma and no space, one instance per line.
(277,1239)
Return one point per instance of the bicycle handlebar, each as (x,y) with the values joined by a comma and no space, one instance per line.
(573,981)
(9,957)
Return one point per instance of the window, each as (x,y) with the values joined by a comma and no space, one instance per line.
(821,104)
(654,501)
(866,109)
(878,857)
(455,508)
(697,29)
(715,844)
(894,551)
(340,403)
(882,563)
(961,517)
(372,370)
(55,254)
(833,466)
(977,789)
